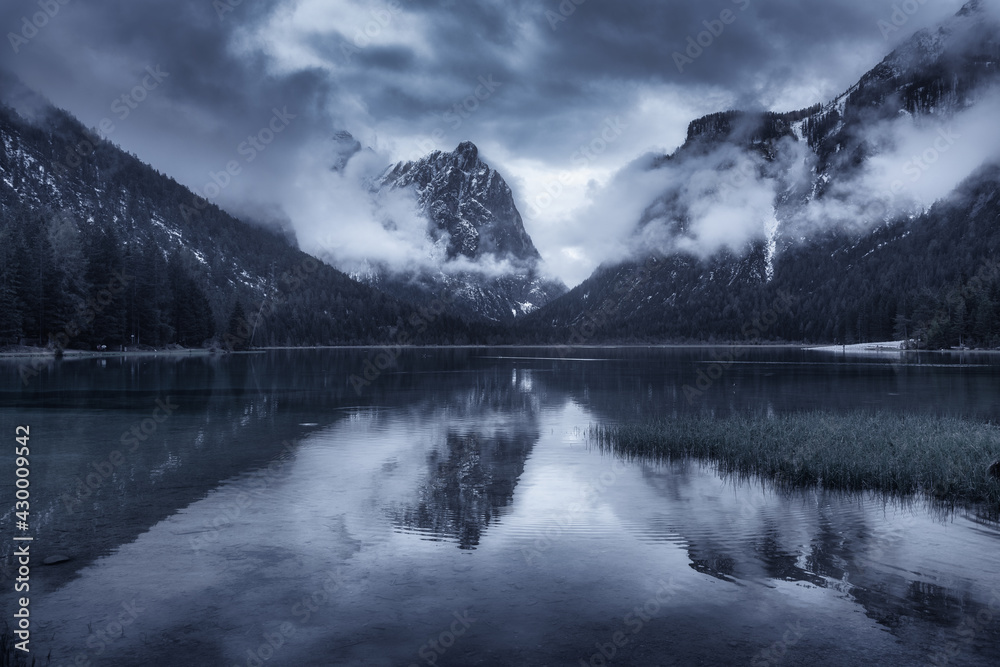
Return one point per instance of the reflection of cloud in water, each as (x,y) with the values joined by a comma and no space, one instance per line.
(886,557)
(443,449)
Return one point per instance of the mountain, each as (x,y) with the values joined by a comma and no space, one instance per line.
(344,147)
(815,220)
(484,258)
(777,226)
(97,248)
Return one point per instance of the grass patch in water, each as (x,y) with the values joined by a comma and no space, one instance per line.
(945,458)
(9,655)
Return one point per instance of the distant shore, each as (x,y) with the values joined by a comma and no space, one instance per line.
(49,353)
(865,349)
(43,352)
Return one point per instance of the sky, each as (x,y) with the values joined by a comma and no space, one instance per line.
(559,95)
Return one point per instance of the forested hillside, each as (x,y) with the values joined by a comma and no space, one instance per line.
(97,248)
(854,264)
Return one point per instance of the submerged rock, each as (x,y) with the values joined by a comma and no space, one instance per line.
(56,560)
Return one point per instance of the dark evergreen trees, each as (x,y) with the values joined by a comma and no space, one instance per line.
(190,313)
(238,330)
(11,307)
(160,266)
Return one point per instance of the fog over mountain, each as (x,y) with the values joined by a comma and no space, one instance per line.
(406,79)
(874,213)
(350,147)
(444,224)
(901,139)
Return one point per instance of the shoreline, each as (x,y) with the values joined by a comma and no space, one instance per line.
(861,349)
(46,353)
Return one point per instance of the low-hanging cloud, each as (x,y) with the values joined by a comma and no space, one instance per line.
(388,75)
(727,197)
(722,200)
(344,217)
(917,161)
(339,218)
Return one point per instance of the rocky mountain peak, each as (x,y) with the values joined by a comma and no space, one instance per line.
(468,155)
(469,206)
(343,146)
(471,213)
(972,7)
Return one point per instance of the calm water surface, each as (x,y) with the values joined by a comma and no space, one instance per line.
(454,513)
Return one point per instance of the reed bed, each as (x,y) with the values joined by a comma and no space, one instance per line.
(9,655)
(945,458)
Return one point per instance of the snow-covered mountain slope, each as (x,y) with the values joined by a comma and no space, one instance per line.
(75,209)
(489,266)
(751,200)
(467,202)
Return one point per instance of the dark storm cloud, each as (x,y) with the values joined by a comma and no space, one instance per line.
(557,59)
(406,74)
(567,65)
(88,55)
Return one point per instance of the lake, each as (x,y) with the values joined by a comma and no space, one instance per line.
(265,509)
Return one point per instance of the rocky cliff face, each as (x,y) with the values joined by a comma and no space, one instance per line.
(75,211)
(491,267)
(468,203)
(798,186)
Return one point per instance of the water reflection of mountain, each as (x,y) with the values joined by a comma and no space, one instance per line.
(469,484)
(235,413)
(815,537)
(121,444)
(743,533)
(486,407)
(492,425)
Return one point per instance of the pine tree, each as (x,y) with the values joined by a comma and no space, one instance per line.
(107,302)
(190,311)
(238,330)
(10,305)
